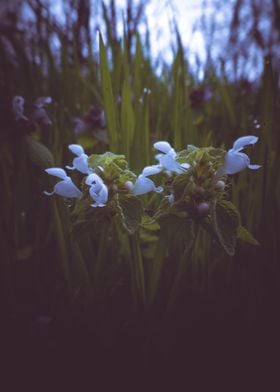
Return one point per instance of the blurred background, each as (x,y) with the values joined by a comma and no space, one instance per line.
(198,72)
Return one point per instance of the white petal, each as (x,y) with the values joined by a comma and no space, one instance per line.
(76,149)
(49,193)
(244,141)
(18,107)
(151,170)
(101,197)
(254,167)
(42,101)
(158,157)
(172,153)
(67,188)
(94,181)
(81,164)
(185,165)
(162,146)
(234,162)
(169,163)
(143,185)
(57,172)
(98,205)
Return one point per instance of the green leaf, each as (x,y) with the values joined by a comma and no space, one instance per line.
(225,221)
(130,210)
(107,159)
(39,154)
(245,236)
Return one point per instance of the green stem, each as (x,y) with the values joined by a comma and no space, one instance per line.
(156,269)
(183,263)
(137,273)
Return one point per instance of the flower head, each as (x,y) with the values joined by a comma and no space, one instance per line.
(66,187)
(235,161)
(98,190)
(80,163)
(144,185)
(167,158)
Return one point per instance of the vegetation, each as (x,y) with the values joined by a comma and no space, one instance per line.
(143,284)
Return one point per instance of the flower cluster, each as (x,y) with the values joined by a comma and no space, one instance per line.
(190,178)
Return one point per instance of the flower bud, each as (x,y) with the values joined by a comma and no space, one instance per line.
(203,209)
(128,185)
(220,185)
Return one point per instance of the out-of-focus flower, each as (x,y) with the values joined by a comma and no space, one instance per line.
(98,190)
(93,122)
(39,113)
(66,187)
(80,163)
(167,158)
(199,96)
(18,108)
(235,161)
(95,118)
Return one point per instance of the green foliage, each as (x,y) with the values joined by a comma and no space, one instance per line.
(130,210)
(225,221)
(245,236)
(38,154)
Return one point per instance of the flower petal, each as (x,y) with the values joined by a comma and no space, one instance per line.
(81,164)
(57,172)
(244,141)
(94,181)
(101,197)
(151,170)
(42,101)
(169,163)
(76,149)
(162,146)
(67,188)
(254,167)
(234,162)
(185,165)
(143,185)
(49,193)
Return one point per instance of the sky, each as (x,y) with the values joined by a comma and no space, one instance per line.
(189,15)
(159,14)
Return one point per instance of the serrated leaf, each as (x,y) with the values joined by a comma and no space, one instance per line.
(39,154)
(245,236)
(130,210)
(225,221)
(107,159)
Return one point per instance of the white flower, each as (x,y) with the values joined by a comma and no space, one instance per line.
(18,107)
(98,190)
(144,185)
(167,158)
(80,163)
(235,161)
(66,187)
